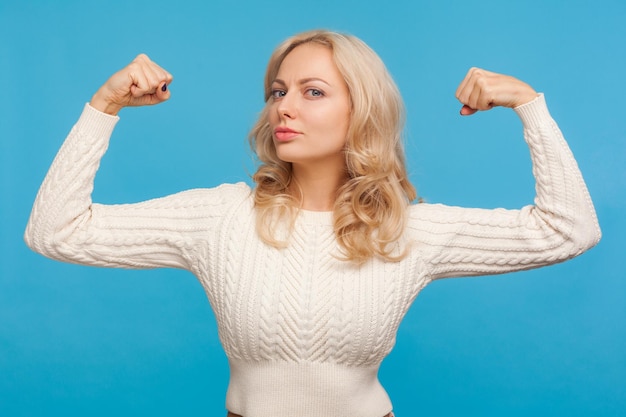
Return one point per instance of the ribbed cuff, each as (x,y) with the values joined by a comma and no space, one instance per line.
(95,123)
(534,113)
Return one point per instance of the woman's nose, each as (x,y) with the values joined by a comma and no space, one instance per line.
(287,106)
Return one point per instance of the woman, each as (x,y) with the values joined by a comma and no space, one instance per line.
(311,272)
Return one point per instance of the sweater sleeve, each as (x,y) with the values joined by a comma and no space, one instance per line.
(65,225)
(561,224)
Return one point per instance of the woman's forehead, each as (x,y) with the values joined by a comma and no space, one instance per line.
(309,60)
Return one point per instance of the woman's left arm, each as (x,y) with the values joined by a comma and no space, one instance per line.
(560,225)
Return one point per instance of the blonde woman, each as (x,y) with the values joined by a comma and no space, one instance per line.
(310,272)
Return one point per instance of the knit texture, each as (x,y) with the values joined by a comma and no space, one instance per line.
(305,332)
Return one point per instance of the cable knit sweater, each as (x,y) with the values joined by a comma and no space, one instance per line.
(304,332)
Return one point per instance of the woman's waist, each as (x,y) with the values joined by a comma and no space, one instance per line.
(305,389)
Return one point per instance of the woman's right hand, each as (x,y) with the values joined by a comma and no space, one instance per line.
(141,83)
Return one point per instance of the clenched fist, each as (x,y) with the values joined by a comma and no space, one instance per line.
(483,90)
(141,83)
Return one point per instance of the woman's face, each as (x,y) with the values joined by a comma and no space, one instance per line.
(310,109)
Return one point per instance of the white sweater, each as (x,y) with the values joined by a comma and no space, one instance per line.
(305,333)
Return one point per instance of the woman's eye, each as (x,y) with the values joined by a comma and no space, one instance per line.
(314,92)
(278,94)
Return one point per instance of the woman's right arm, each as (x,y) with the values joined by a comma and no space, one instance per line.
(64,223)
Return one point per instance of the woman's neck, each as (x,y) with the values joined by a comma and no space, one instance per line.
(316,187)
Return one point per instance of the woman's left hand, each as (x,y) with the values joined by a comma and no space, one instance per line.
(483,90)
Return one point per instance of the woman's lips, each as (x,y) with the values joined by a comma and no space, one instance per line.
(284,134)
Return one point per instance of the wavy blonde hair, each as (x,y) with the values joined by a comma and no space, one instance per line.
(370,208)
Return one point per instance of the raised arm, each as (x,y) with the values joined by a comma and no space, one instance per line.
(560,225)
(64,223)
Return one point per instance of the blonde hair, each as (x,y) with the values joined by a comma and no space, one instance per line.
(370,208)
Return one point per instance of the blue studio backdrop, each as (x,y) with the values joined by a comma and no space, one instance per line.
(78,341)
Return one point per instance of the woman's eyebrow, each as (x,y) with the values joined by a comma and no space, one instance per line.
(302,81)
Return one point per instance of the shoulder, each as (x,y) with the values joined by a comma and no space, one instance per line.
(194,203)
(240,189)
(224,195)
(441,217)
(429,212)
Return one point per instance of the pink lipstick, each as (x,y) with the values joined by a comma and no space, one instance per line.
(284,134)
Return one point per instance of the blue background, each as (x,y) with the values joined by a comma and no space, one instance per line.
(78,341)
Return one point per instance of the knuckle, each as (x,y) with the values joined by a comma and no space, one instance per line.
(142,59)
(483,83)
